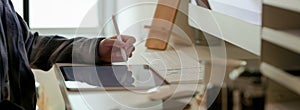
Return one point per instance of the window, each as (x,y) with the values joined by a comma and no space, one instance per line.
(18,5)
(62,13)
(64,17)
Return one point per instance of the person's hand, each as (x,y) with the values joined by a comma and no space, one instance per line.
(109,49)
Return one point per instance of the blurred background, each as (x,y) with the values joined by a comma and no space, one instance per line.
(65,17)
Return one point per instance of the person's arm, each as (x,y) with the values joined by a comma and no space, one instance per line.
(47,50)
(44,51)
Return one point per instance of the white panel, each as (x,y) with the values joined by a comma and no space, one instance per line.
(235,31)
(247,10)
(203,19)
(289,39)
(251,5)
(240,33)
(281,77)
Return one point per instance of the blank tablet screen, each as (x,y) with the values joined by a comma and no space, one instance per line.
(113,76)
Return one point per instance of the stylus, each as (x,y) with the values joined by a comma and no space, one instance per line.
(119,37)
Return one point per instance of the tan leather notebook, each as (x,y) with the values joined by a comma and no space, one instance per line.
(162,24)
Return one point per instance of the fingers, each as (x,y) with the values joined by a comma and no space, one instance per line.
(110,48)
(129,44)
(126,38)
(116,56)
(129,40)
(113,43)
(117,53)
(129,51)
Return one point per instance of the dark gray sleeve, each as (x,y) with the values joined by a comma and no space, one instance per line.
(47,50)
(44,51)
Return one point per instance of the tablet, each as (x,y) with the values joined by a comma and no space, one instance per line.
(110,77)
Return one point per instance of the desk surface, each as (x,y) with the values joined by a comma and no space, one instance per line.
(122,99)
(94,100)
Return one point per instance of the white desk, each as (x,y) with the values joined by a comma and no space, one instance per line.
(118,99)
(93,100)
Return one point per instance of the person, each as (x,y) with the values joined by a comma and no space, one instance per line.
(22,50)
